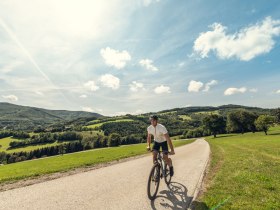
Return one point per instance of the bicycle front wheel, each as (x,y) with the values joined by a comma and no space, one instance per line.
(153,182)
(167,177)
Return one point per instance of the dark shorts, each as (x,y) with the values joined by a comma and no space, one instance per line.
(162,145)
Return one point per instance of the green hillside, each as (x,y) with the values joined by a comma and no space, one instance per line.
(24,117)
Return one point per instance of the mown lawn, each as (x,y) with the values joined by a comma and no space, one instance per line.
(66,162)
(244,172)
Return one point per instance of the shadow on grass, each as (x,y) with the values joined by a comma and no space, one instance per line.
(273,133)
(175,198)
(225,136)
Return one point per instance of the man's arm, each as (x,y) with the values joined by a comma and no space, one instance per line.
(149,140)
(169,143)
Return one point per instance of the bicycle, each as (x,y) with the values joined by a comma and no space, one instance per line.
(159,170)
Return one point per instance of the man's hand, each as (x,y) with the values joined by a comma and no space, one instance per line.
(172,152)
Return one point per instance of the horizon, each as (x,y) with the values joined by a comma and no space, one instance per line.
(132,57)
(144,112)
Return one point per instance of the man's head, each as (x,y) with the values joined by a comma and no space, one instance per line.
(154,120)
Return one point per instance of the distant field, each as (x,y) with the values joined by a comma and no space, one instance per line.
(6,141)
(99,124)
(66,162)
(185,117)
(206,112)
(244,172)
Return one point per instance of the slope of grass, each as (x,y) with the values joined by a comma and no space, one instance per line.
(110,121)
(244,172)
(6,141)
(66,162)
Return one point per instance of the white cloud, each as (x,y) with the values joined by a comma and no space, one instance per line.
(246,44)
(232,91)
(90,85)
(278,91)
(136,86)
(146,3)
(148,64)
(11,98)
(87,109)
(209,84)
(40,93)
(108,80)
(115,58)
(162,89)
(253,90)
(195,86)
(138,111)
(83,96)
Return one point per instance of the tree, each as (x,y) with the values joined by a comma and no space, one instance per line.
(264,122)
(277,115)
(214,123)
(241,121)
(114,140)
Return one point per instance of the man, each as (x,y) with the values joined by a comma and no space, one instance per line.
(161,138)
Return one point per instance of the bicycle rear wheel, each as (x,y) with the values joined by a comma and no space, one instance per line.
(153,182)
(167,177)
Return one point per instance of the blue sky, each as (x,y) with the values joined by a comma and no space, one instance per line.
(133,56)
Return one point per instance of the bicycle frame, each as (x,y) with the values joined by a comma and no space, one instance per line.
(161,162)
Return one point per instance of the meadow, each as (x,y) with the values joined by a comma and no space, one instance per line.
(244,172)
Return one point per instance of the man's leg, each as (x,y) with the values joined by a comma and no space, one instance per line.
(155,151)
(167,160)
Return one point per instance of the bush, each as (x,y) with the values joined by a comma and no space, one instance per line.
(114,140)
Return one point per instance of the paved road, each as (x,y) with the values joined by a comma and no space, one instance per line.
(120,186)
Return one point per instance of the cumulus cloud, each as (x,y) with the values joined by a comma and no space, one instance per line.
(253,90)
(87,109)
(245,44)
(83,96)
(233,90)
(146,3)
(209,84)
(136,86)
(90,85)
(162,89)
(115,58)
(195,86)
(148,64)
(40,93)
(108,80)
(11,98)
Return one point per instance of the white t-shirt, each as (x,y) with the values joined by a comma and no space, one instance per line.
(158,132)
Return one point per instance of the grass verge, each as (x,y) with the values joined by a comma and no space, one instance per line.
(21,170)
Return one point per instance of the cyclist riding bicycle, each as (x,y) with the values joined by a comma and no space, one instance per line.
(161,138)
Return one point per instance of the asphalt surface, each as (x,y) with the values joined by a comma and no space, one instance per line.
(119,186)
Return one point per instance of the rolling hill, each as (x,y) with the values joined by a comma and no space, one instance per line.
(24,117)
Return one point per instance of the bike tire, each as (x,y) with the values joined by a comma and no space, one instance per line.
(167,177)
(151,195)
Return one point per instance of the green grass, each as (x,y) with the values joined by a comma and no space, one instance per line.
(66,162)
(244,172)
(207,112)
(6,141)
(99,124)
(185,117)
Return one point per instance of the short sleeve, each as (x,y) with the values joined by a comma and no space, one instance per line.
(148,130)
(164,130)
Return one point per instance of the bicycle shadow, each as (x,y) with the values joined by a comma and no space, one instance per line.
(174,198)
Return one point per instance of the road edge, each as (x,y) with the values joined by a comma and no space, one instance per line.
(201,178)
